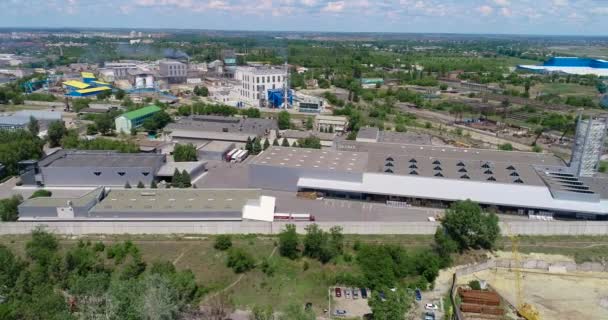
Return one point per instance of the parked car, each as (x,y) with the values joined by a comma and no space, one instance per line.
(347,293)
(429,315)
(430,306)
(355,293)
(418,295)
(340,313)
(363,293)
(338,292)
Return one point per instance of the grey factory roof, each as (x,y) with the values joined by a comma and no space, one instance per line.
(40,114)
(221,124)
(453,168)
(176,200)
(371,133)
(313,159)
(62,202)
(14,121)
(217,146)
(103,159)
(444,152)
(296,134)
(168,168)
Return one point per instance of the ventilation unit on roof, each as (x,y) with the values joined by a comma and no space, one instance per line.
(518,181)
(491,179)
(438,168)
(414,173)
(412,160)
(462,170)
(436,162)
(514,174)
(464,176)
(389,164)
(510,168)
(486,165)
(460,164)
(438,174)
(390,159)
(388,171)
(488,172)
(413,166)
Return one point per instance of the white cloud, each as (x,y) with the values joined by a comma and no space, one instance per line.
(485,10)
(336,6)
(309,3)
(560,3)
(507,12)
(599,10)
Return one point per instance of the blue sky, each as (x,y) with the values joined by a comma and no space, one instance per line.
(582,17)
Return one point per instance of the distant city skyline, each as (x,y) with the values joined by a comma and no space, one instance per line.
(550,17)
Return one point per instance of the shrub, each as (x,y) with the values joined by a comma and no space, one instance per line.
(239,260)
(475,285)
(223,242)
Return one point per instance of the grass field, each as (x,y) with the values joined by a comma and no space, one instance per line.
(588,51)
(302,280)
(564,89)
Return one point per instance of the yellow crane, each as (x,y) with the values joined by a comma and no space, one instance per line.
(524,309)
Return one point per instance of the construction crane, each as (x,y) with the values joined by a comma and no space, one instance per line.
(524,309)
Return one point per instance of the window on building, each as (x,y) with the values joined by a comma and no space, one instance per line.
(97,173)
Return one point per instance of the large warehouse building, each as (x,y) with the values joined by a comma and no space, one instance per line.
(199,130)
(571,65)
(514,182)
(94,168)
(105,204)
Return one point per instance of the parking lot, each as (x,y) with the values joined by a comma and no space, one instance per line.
(354,305)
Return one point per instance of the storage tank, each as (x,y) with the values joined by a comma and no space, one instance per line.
(139,82)
(149,82)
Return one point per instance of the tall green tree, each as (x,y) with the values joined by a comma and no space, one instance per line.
(56,132)
(289,242)
(467,224)
(275,142)
(185,153)
(266,144)
(9,208)
(284,120)
(256,146)
(285,143)
(393,306)
(33,126)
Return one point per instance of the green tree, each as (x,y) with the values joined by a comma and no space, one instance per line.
(120,94)
(185,153)
(177,181)
(186,179)
(33,126)
(266,144)
(251,113)
(127,185)
(153,185)
(288,242)
(470,227)
(239,260)
(275,142)
(284,120)
(158,121)
(91,129)
(104,124)
(140,185)
(310,142)
(285,143)
(256,147)
(309,123)
(9,208)
(42,248)
(223,242)
(56,132)
(249,145)
(393,306)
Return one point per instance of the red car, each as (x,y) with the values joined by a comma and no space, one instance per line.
(338,293)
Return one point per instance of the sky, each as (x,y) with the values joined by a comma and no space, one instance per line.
(559,17)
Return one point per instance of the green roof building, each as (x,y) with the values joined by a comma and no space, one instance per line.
(135,118)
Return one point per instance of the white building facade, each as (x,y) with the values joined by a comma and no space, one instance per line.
(256,81)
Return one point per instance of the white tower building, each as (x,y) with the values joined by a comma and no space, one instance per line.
(588,145)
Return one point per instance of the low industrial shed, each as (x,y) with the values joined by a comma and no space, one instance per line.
(215,150)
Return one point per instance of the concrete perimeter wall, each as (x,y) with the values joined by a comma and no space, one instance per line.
(360,227)
(534,264)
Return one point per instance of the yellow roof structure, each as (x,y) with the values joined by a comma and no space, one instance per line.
(87,75)
(76,84)
(90,90)
(102,83)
